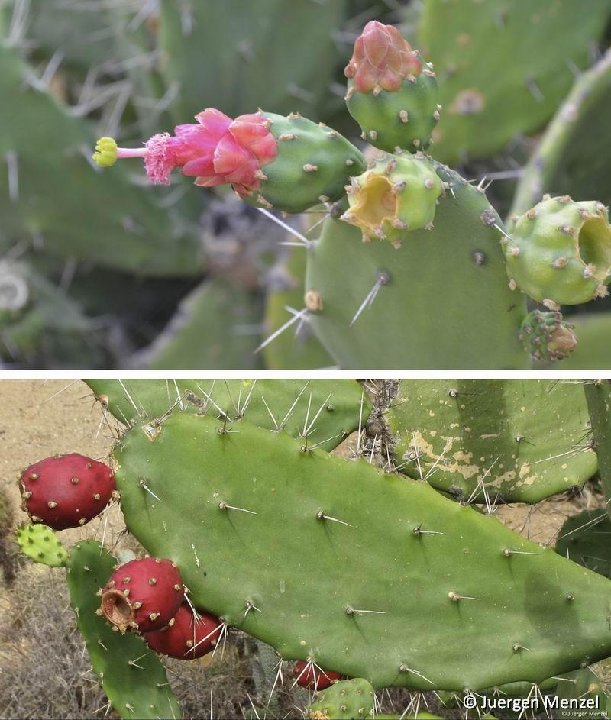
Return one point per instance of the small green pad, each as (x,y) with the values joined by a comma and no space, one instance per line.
(328,410)
(41,544)
(344,700)
(131,674)
(369,574)
(520,440)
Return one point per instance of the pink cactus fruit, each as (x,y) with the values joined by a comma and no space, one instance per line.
(217,151)
(66,491)
(309,676)
(187,636)
(142,595)
(382,59)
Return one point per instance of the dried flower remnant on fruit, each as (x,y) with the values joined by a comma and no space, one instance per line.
(382,59)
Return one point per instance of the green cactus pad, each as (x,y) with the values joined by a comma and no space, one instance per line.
(520,440)
(212,328)
(503,67)
(41,544)
(584,538)
(238,56)
(368,574)
(598,397)
(559,252)
(546,337)
(328,409)
(568,159)
(312,165)
(403,119)
(102,218)
(439,301)
(130,673)
(344,700)
(584,694)
(297,348)
(396,193)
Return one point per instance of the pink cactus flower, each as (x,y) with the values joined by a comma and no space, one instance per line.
(216,151)
(382,59)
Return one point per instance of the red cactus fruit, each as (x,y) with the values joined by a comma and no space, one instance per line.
(66,490)
(309,676)
(187,636)
(382,59)
(142,595)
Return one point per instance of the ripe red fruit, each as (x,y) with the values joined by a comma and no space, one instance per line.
(66,490)
(142,595)
(187,636)
(309,676)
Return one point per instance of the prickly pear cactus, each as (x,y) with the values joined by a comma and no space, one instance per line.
(383,307)
(598,397)
(313,513)
(320,412)
(132,675)
(493,439)
(503,67)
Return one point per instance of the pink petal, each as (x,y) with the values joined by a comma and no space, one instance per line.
(214,121)
(252,133)
(235,162)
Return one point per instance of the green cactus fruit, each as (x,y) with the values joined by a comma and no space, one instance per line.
(396,193)
(131,674)
(371,574)
(312,165)
(559,252)
(41,544)
(519,440)
(391,93)
(584,539)
(546,336)
(345,700)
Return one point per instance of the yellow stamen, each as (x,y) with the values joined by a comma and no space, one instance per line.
(105,154)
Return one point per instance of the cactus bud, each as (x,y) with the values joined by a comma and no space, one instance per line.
(546,336)
(391,93)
